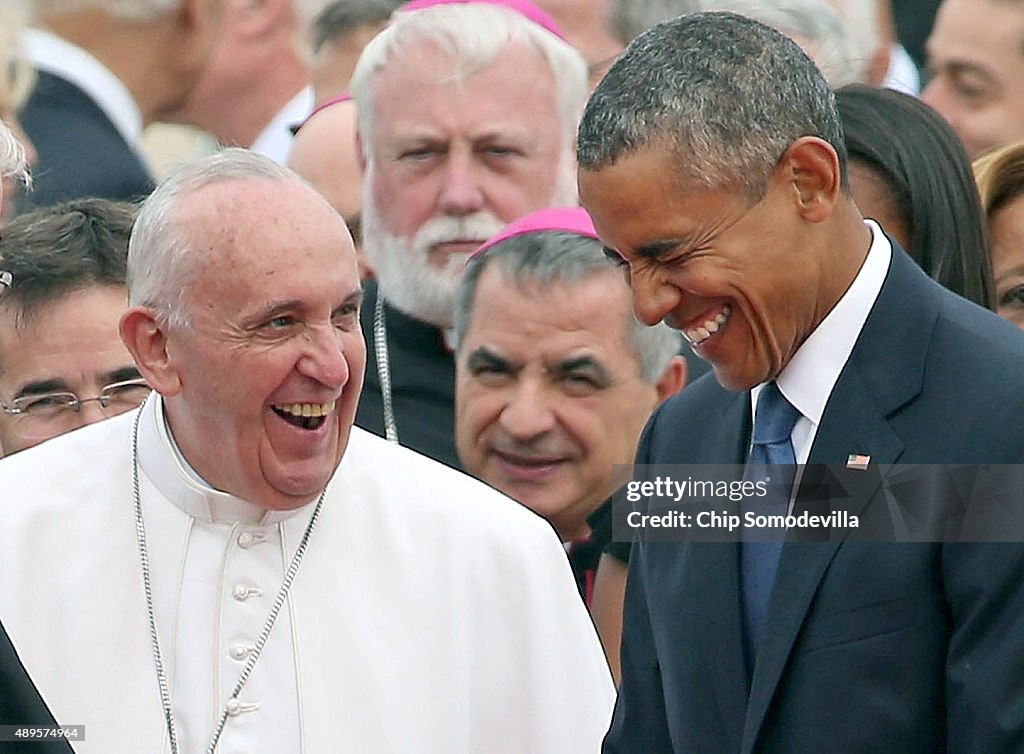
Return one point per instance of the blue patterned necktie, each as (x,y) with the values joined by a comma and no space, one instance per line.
(771,455)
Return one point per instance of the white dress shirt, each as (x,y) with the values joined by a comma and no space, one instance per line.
(275,140)
(55,55)
(812,373)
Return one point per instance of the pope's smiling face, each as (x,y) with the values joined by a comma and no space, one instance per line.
(262,384)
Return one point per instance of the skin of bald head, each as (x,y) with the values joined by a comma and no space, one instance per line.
(324,153)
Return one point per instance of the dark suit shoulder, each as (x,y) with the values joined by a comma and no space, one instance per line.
(705,423)
(81,152)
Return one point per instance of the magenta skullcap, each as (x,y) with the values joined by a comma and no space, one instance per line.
(558,219)
(524,7)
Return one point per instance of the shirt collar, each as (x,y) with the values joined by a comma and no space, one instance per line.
(49,53)
(808,379)
(161,460)
(275,140)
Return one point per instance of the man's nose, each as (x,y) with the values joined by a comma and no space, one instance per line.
(324,358)
(461,192)
(653,299)
(528,412)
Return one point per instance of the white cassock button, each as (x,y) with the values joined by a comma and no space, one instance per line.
(240,592)
(246,540)
(235,707)
(239,652)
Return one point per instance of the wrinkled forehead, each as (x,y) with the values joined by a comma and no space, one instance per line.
(262,225)
(596,304)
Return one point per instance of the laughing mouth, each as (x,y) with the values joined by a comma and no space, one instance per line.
(697,335)
(304,415)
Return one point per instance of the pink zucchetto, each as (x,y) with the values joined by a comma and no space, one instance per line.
(558,219)
(525,7)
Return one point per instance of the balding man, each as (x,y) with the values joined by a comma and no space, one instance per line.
(106,71)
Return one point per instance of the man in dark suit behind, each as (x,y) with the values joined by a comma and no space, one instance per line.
(712,161)
(105,71)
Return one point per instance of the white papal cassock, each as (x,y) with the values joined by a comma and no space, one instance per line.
(430,615)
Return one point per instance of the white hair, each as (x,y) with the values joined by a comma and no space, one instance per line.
(129,10)
(474,34)
(813,22)
(160,249)
(12,156)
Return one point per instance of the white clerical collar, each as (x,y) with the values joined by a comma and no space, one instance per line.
(275,140)
(812,373)
(161,460)
(52,54)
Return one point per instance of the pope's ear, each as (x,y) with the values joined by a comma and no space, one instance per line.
(145,337)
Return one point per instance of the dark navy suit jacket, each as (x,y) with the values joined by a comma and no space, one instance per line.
(81,152)
(883,647)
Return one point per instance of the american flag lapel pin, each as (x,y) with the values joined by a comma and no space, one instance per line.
(860,463)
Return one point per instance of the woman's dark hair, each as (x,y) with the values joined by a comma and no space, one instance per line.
(928,172)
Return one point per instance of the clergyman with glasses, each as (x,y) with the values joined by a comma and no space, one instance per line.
(62,362)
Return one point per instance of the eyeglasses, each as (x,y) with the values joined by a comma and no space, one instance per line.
(44,415)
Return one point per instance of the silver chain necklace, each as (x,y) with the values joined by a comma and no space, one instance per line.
(282,594)
(380,348)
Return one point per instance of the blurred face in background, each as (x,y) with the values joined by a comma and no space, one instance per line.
(450,162)
(976,57)
(1007,238)
(16,81)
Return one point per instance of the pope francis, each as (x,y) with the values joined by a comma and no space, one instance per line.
(234,568)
